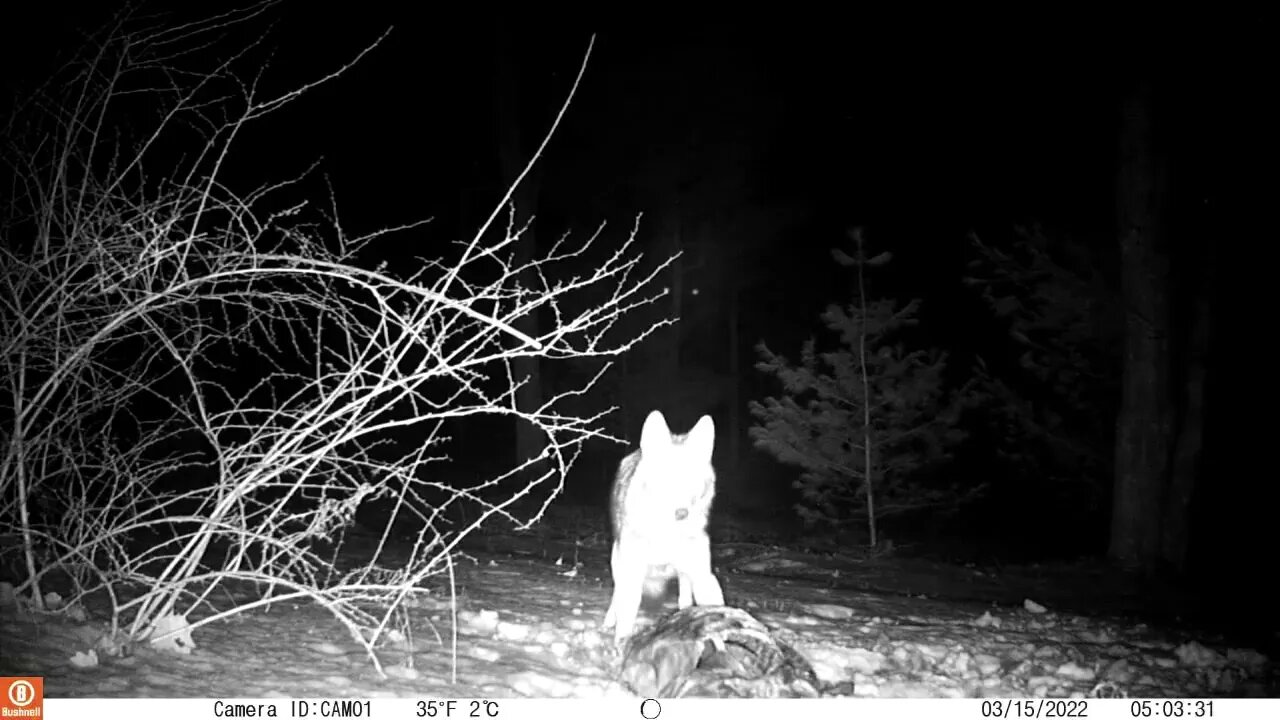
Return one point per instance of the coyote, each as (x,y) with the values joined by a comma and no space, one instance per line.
(659,506)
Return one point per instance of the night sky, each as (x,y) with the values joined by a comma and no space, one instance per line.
(915,132)
(919,132)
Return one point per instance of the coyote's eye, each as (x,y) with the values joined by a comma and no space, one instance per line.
(682,513)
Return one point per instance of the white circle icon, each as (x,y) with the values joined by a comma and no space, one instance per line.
(22,693)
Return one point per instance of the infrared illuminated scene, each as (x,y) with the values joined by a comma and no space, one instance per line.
(392,350)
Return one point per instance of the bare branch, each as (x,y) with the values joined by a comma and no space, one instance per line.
(211,370)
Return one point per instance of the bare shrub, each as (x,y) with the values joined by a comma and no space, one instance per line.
(203,381)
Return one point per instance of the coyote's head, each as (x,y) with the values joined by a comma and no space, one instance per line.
(674,481)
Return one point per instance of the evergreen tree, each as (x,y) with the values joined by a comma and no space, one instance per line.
(861,420)
(1051,391)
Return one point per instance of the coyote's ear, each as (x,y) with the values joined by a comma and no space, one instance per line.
(655,434)
(702,438)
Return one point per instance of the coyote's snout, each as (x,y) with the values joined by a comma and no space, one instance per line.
(659,506)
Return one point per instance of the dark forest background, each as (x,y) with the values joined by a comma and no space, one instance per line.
(754,144)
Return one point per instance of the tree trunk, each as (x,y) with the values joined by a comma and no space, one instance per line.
(736,405)
(1190,439)
(513,154)
(1144,427)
